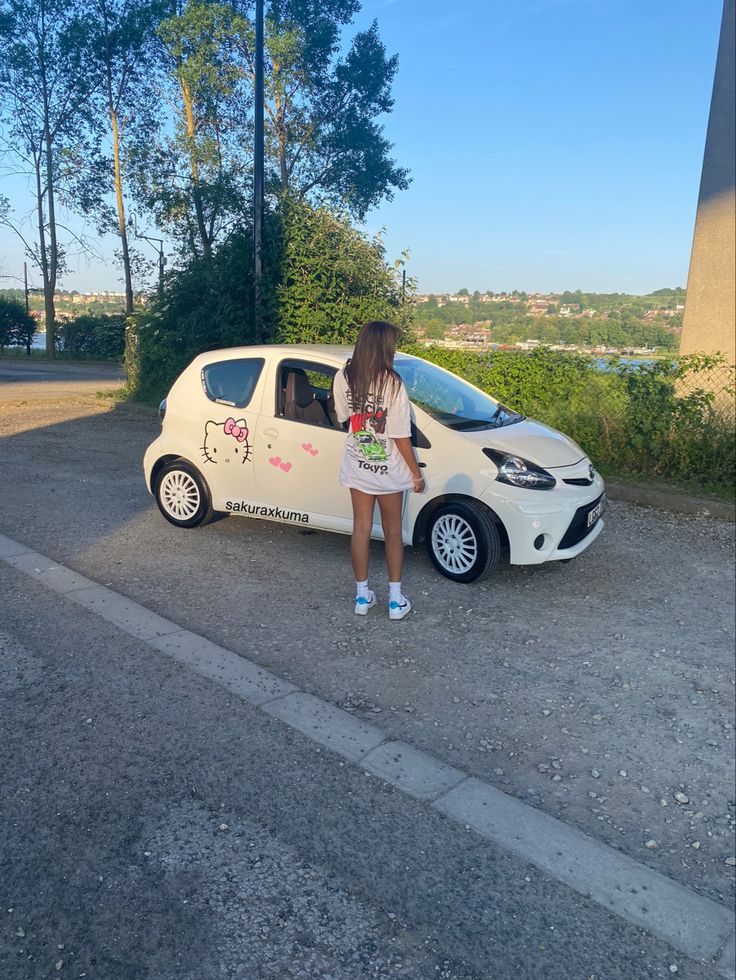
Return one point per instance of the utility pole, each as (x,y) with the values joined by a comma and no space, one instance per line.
(258,182)
(161,264)
(25,283)
(161,257)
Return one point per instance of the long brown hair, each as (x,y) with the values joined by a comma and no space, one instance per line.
(371,368)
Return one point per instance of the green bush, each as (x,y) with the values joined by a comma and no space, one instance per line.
(206,305)
(670,419)
(96,337)
(322,280)
(332,280)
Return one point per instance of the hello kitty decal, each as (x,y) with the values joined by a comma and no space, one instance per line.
(226,442)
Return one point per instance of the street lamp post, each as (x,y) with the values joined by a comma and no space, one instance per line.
(258,182)
(161,256)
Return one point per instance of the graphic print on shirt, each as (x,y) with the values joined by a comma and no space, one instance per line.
(371,460)
(366,427)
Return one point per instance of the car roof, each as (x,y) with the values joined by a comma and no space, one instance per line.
(336,352)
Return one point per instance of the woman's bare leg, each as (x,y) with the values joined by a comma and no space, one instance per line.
(390,507)
(363,505)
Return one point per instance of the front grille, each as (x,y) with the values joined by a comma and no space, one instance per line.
(583,481)
(578,528)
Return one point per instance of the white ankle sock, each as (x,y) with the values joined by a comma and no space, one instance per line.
(394,592)
(361,590)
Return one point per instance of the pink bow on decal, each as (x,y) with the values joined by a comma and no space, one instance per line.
(239,430)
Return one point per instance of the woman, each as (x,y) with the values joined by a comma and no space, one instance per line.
(378,463)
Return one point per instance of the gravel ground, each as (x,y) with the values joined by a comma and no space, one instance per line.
(601,691)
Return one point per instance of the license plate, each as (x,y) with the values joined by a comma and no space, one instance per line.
(596,511)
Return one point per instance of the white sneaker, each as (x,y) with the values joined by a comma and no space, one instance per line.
(397,610)
(364,603)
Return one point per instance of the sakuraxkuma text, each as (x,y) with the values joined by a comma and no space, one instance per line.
(243,507)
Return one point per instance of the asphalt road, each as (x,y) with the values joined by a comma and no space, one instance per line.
(155,826)
(35,379)
(620,662)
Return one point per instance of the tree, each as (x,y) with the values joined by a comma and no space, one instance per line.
(192,177)
(43,93)
(122,55)
(16,327)
(321,109)
(434,330)
(324,143)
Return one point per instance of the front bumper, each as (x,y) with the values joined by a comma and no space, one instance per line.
(547,525)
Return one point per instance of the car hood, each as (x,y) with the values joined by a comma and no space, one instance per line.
(531,440)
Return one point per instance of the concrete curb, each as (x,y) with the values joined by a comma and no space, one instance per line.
(630,889)
(679,503)
(690,923)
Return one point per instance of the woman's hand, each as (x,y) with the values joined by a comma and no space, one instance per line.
(418,483)
(403,444)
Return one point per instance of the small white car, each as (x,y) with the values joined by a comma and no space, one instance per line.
(253,431)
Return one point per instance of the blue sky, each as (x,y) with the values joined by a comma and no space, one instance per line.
(553,144)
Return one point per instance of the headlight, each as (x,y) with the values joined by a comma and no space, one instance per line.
(520,472)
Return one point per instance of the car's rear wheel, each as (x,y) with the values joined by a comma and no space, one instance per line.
(463,541)
(182,495)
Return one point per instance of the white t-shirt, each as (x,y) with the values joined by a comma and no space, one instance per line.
(371,462)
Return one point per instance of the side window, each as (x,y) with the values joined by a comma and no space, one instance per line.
(232,382)
(304,393)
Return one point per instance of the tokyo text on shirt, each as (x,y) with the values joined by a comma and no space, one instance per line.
(371,462)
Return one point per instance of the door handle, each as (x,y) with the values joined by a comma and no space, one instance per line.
(422,465)
(271,433)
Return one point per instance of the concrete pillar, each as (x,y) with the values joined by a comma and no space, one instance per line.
(710,308)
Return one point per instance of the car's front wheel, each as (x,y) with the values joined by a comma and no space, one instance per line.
(182,495)
(463,541)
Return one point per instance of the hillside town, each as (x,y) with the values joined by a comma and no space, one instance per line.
(478,334)
(595,324)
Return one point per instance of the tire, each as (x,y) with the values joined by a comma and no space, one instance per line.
(462,541)
(182,494)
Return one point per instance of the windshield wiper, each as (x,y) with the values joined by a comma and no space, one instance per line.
(501,417)
(461,423)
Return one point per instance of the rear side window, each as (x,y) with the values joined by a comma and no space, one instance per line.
(232,382)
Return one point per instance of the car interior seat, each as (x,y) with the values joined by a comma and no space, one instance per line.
(300,402)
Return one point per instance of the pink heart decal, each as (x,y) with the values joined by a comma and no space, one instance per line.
(314,452)
(275,460)
(306,446)
(285,467)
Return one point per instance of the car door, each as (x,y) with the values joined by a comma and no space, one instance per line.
(225,419)
(301,445)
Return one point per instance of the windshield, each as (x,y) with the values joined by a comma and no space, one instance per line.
(449,399)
